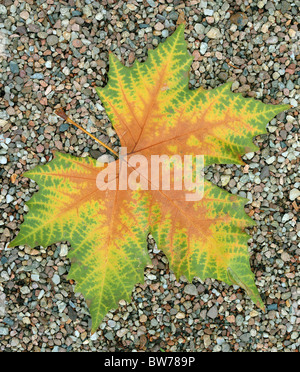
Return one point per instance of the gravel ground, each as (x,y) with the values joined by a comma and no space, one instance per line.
(52,54)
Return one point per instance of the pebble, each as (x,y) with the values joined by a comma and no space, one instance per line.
(265,173)
(56,279)
(52,40)
(240,19)
(225,180)
(3,9)
(271,160)
(24,14)
(203,48)
(3,160)
(25,290)
(199,28)
(3,330)
(294,194)
(64,127)
(9,198)
(14,68)
(63,250)
(191,289)
(213,312)
(214,33)
(122,332)
(152,3)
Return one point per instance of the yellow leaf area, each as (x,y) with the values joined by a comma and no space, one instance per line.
(154,113)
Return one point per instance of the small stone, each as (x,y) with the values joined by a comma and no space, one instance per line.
(253,314)
(214,33)
(285,257)
(25,290)
(213,312)
(225,179)
(99,16)
(151,277)
(52,40)
(38,76)
(272,40)
(152,3)
(63,250)
(26,320)
(87,11)
(191,290)
(208,12)
(131,7)
(238,61)
(180,315)
(3,331)
(246,337)
(48,64)
(271,160)
(64,127)
(265,173)
(294,194)
(111,323)
(203,48)
(199,28)
(14,68)
(292,33)
(165,33)
(143,318)
(77,43)
(35,277)
(3,123)
(40,148)
(24,15)
(293,102)
(285,6)
(66,71)
(109,336)
(207,341)
(239,320)
(154,323)
(3,9)
(273,307)
(286,217)
(240,19)
(15,342)
(261,4)
(250,155)
(231,319)
(122,332)
(9,199)
(56,279)
(159,26)
(225,348)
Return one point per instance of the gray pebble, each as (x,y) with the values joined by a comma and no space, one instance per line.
(52,40)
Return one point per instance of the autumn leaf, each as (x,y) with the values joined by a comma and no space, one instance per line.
(153,112)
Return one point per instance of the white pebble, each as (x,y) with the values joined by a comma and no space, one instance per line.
(3,160)
(9,199)
(294,194)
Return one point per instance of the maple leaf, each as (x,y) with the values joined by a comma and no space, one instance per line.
(154,113)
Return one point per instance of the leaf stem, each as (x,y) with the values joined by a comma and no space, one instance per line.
(61,113)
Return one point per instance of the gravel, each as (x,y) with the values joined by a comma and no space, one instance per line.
(52,53)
